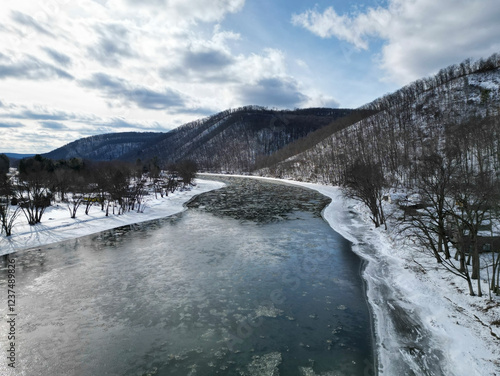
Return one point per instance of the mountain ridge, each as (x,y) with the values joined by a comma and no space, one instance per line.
(256,131)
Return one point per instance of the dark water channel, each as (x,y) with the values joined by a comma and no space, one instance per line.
(249,281)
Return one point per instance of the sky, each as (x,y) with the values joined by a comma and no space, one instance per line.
(76,68)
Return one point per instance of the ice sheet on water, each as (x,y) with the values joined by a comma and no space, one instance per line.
(308,371)
(268,311)
(265,365)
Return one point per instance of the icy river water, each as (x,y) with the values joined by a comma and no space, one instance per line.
(250,280)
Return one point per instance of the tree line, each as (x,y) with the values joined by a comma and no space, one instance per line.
(114,186)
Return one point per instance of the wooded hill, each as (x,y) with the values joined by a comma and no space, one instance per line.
(456,109)
(230,141)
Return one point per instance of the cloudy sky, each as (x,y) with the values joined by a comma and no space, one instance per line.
(75,68)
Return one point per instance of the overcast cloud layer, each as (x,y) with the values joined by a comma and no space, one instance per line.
(70,69)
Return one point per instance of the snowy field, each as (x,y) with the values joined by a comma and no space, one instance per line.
(451,329)
(58,226)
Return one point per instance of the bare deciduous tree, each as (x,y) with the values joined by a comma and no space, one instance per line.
(365,182)
(32,190)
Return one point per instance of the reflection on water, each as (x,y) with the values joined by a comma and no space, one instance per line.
(194,294)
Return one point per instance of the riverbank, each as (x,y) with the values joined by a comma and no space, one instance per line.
(57,225)
(424,320)
(407,290)
(425,323)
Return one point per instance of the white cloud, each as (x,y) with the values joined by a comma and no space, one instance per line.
(155,64)
(182,11)
(31,68)
(419,37)
(271,63)
(351,29)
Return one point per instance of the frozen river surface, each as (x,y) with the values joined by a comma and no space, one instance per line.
(249,281)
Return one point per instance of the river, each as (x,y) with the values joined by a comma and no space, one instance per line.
(250,280)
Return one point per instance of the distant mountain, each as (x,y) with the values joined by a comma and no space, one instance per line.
(231,140)
(105,147)
(17,156)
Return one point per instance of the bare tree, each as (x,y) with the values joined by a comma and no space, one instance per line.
(8,216)
(118,181)
(32,190)
(77,187)
(186,170)
(458,240)
(475,195)
(433,185)
(154,172)
(137,193)
(171,180)
(364,181)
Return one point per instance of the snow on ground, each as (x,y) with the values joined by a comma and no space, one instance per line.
(448,331)
(57,225)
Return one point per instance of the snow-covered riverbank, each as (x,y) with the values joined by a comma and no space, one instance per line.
(58,226)
(463,332)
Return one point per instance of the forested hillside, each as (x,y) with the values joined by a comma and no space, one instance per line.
(455,112)
(233,140)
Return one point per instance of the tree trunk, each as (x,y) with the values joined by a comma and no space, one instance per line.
(447,254)
(463,264)
(87,207)
(437,255)
(471,289)
(475,261)
(493,274)
(498,275)
(476,268)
